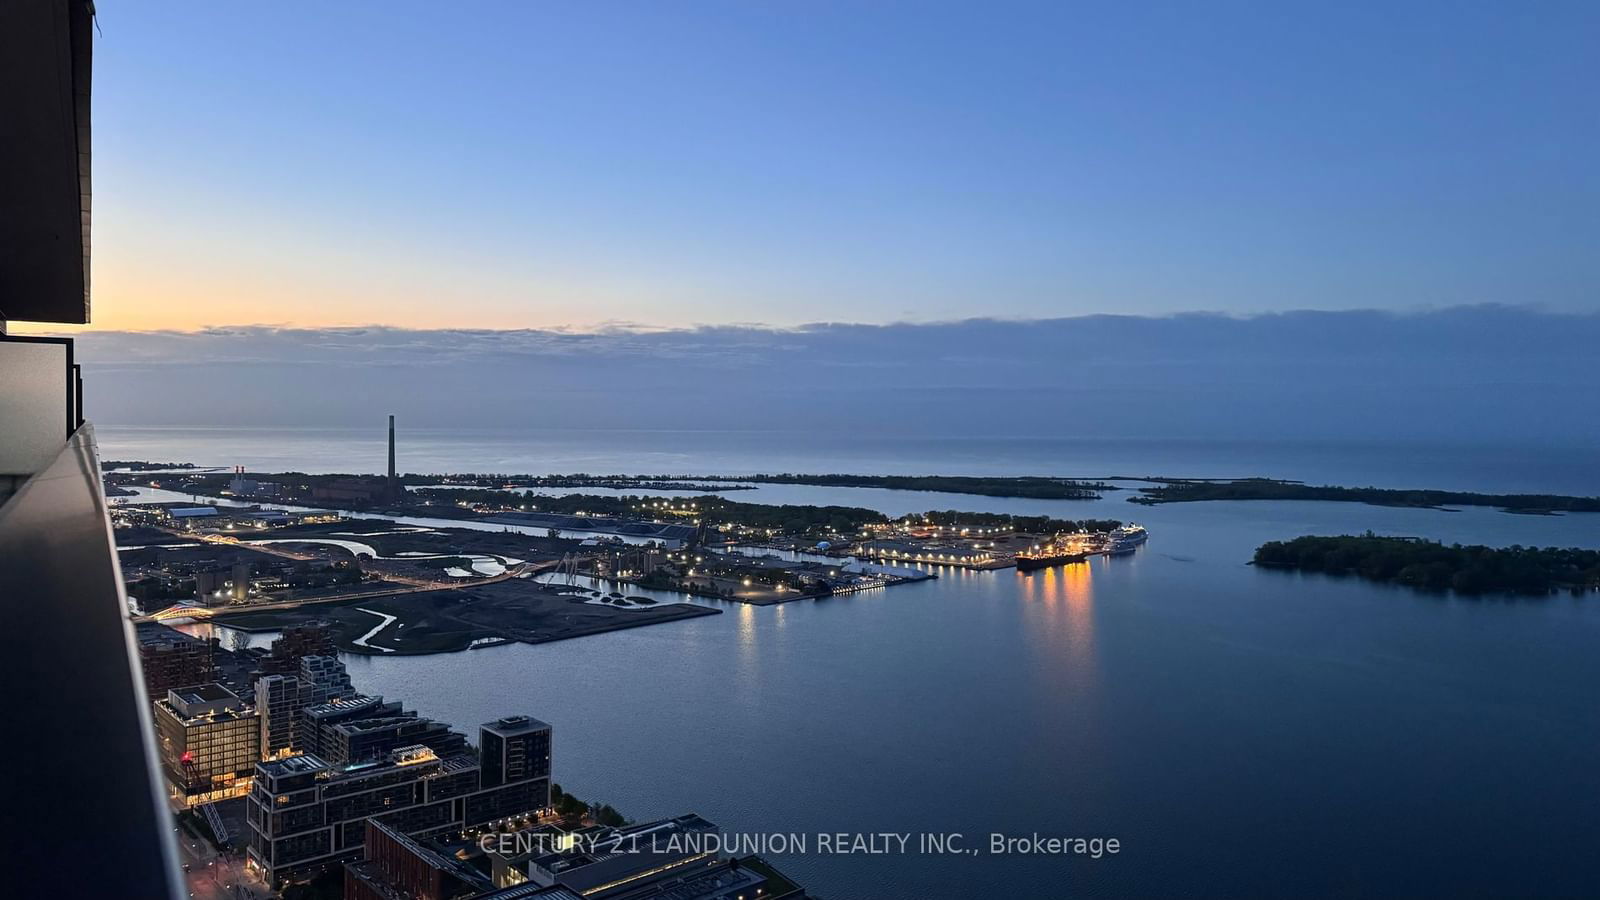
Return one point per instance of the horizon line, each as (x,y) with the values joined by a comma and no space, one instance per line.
(642,328)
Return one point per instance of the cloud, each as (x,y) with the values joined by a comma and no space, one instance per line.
(1464,373)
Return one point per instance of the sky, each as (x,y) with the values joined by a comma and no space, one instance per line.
(582,166)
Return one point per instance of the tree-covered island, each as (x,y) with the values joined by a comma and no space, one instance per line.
(1434,566)
(785,519)
(1030,486)
(1177,491)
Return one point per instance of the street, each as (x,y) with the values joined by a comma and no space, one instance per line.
(210,875)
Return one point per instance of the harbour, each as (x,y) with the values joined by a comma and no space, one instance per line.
(1091,673)
(1090,670)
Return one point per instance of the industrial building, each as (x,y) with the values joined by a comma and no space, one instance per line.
(351,490)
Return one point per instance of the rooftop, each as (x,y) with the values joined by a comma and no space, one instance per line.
(510,726)
(293,765)
(643,854)
(348,704)
(530,891)
(401,757)
(769,563)
(152,634)
(206,703)
(204,693)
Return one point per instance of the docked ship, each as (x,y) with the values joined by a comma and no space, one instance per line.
(1126,539)
(1043,556)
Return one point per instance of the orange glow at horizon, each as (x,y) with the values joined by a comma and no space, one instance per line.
(164,276)
(197,301)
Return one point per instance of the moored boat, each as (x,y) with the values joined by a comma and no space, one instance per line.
(1126,539)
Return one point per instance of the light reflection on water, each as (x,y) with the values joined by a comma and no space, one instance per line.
(231,638)
(1066,594)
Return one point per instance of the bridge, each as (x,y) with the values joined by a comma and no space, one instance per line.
(179,611)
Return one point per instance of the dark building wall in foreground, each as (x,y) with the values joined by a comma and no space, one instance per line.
(45,64)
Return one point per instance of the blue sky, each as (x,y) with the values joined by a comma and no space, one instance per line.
(504,165)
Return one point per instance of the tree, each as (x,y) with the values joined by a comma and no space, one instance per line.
(607,815)
(571,807)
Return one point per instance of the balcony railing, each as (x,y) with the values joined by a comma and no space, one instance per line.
(87,802)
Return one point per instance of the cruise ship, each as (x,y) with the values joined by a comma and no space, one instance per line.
(1126,539)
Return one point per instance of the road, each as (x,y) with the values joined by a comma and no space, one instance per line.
(513,572)
(290,554)
(211,875)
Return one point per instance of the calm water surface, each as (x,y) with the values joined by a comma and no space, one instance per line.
(1508,467)
(1241,732)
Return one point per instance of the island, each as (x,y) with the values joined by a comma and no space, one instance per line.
(1029,486)
(1196,490)
(121,465)
(733,516)
(1046,525)
(580,480)
(1036,487)
(1429,565)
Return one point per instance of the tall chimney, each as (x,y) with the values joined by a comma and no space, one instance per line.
(394,483)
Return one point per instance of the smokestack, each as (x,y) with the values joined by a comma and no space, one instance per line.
(394,484)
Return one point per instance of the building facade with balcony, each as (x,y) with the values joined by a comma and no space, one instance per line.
(307,815)
(209,742)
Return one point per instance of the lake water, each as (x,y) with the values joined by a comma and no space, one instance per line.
(1239,731)
(1507,467)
